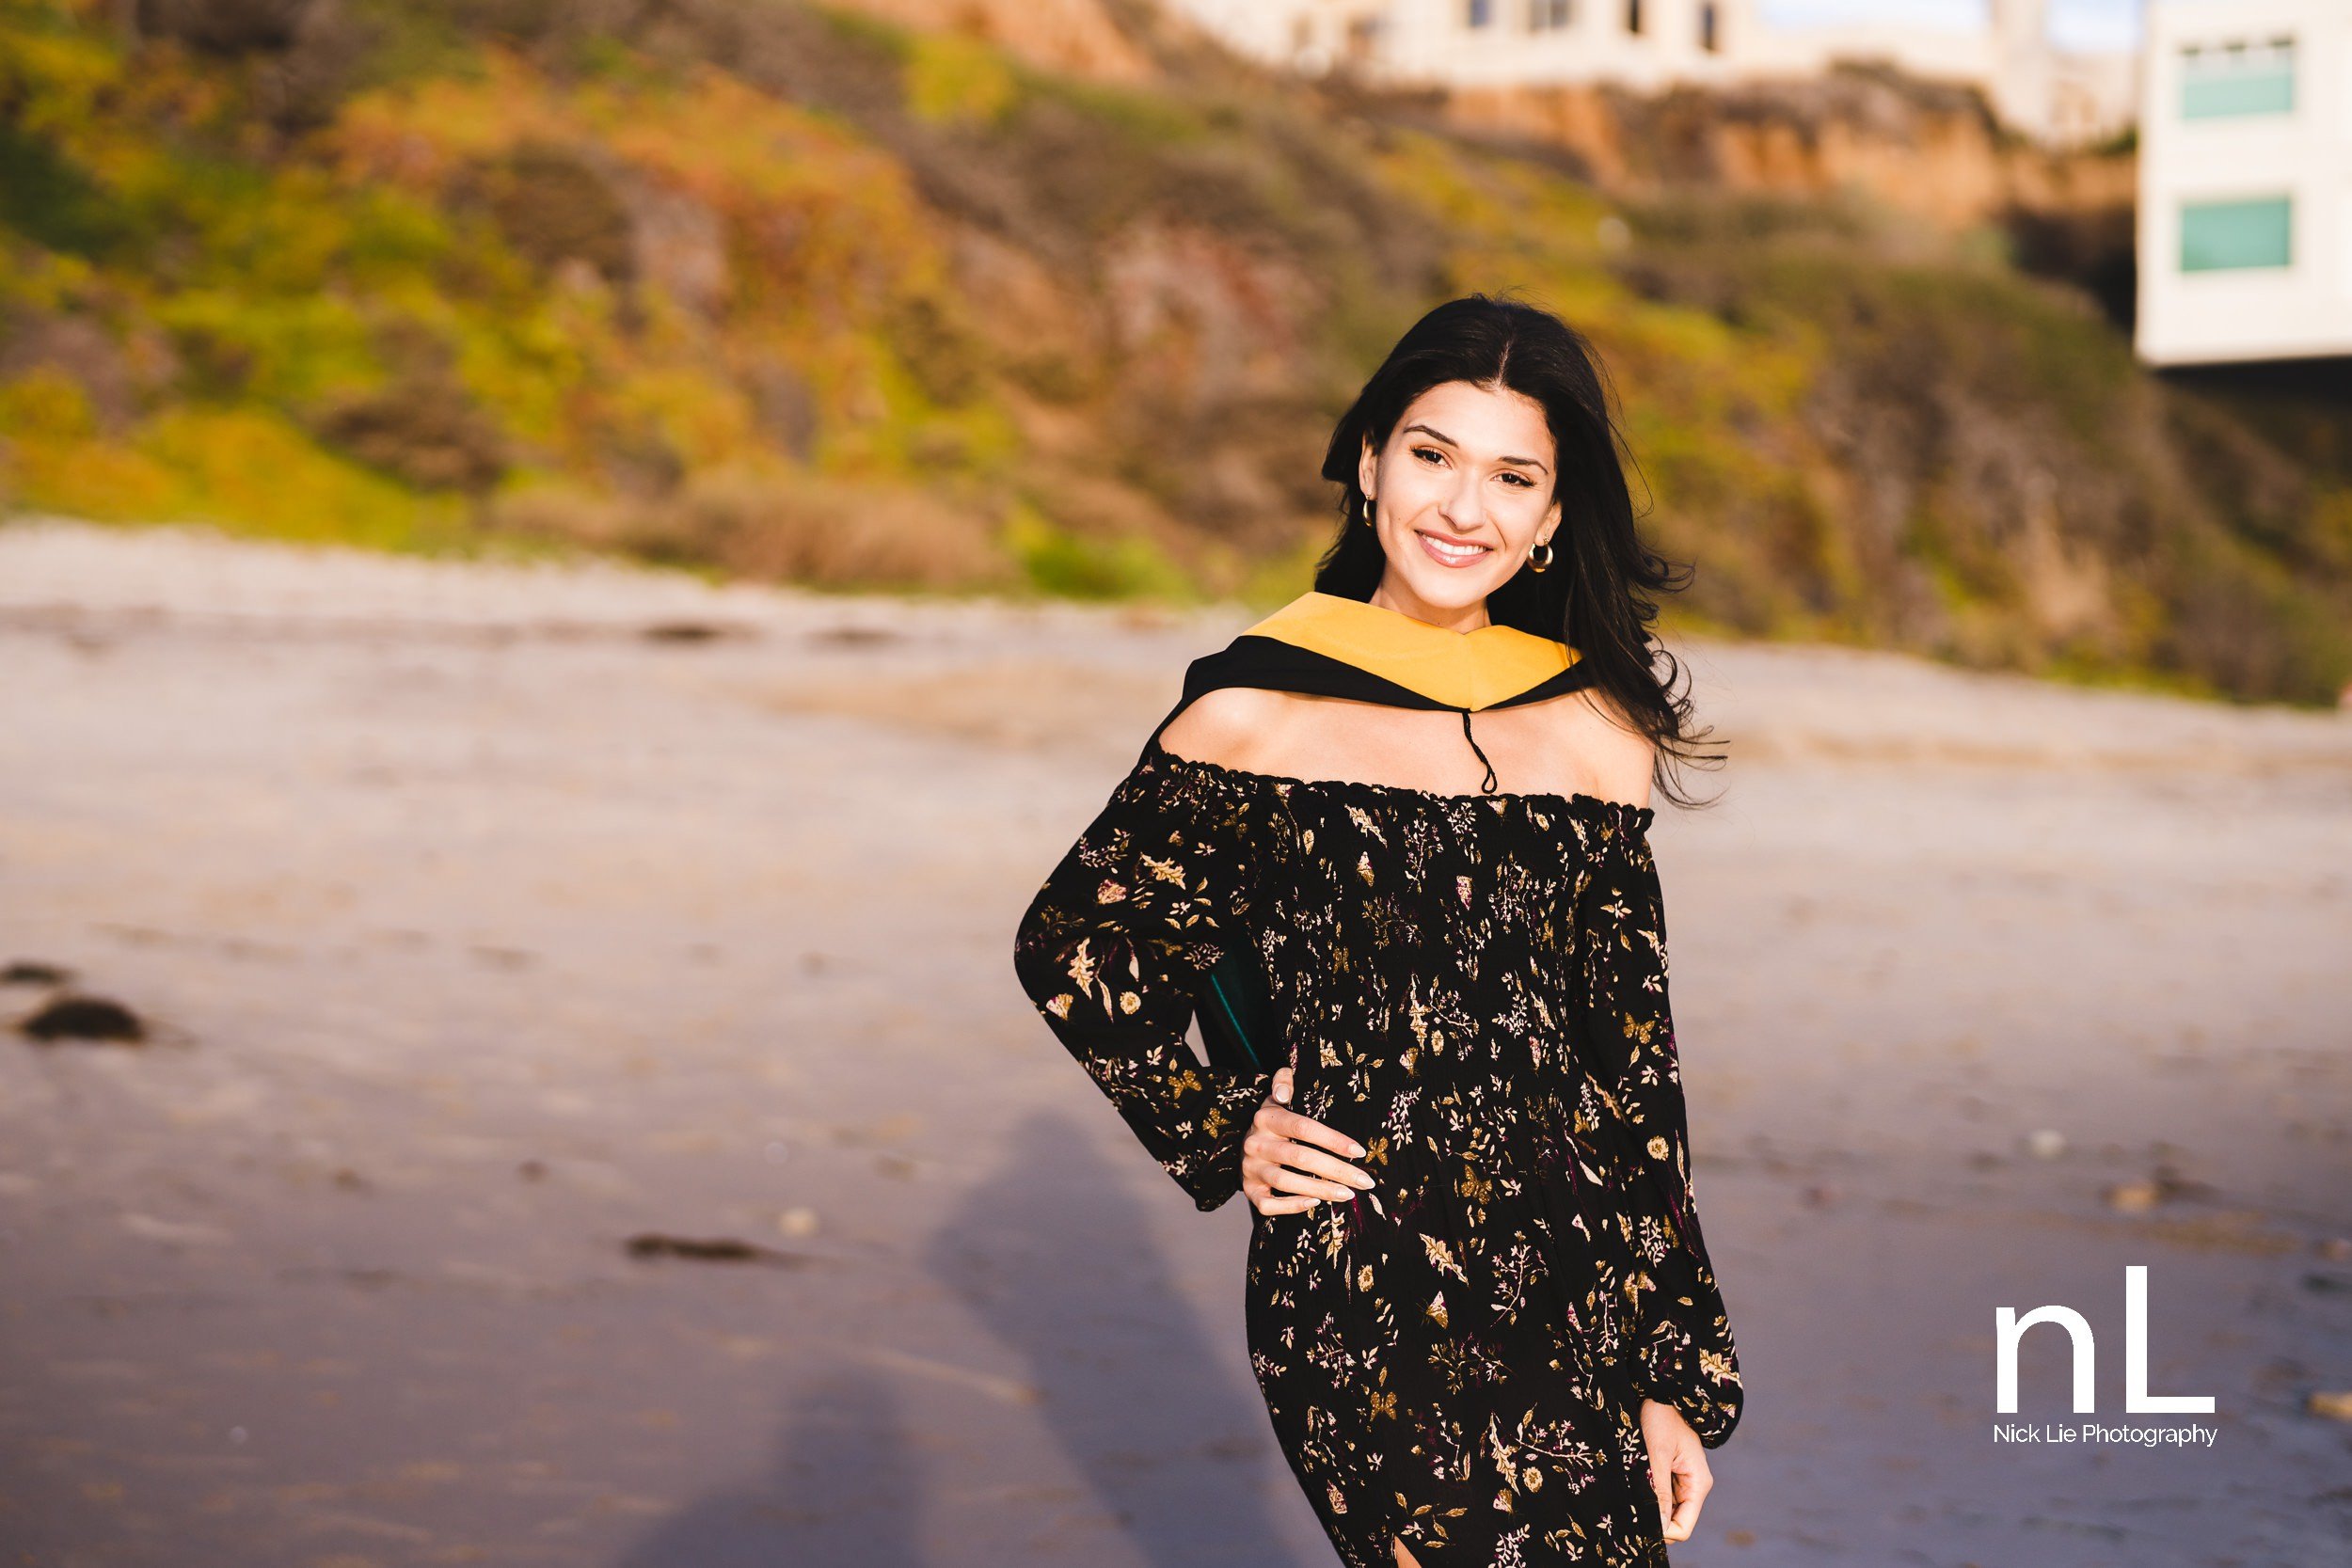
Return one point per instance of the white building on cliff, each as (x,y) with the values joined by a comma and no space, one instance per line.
(2051,94)
(2246,183)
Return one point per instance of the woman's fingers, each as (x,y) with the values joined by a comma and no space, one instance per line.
(1281,1203)
(1690,1489)
(1280,1164)
(1661,1487)
(1281,1151)
(1678,1474)
(1692,1486)
(1270,1138)
(1691,1481)
(1306,1130)
(1271,1181)
(1290,1150)
(1273,1186)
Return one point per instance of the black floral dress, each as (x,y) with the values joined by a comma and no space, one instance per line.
(1476,992)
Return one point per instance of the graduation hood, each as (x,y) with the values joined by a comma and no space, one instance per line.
(1326,645)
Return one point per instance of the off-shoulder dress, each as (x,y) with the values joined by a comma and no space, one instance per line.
(1475,990)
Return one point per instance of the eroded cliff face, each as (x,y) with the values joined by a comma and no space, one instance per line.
(1932,149)
(1079,37)
(1923,148)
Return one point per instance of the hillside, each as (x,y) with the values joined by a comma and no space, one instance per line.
(838,296)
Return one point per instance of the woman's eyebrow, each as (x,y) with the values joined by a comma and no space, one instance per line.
(1449,440)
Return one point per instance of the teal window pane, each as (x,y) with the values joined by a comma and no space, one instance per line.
(2220,236)
(2224,83)
(2227,97)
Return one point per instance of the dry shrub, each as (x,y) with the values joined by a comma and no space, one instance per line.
(423,426)
(553,204)
(224,27)
(565,514)
(429,436)
(823,531)
(804,528)
(82,352)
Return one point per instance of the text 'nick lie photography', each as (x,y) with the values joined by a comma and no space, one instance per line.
(2010,1329)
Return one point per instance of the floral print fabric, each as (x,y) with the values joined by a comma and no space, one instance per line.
(1475,987)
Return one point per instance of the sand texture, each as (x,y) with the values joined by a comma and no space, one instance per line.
(585,1115)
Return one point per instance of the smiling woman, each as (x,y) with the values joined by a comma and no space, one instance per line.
(1481,452)
(1431,965)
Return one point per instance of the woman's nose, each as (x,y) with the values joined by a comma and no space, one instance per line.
(1463,511)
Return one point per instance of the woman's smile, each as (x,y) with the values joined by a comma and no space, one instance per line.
(1446,551)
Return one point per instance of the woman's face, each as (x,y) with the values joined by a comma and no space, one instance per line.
(1460,493)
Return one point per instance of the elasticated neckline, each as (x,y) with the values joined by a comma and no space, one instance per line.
(1635,819)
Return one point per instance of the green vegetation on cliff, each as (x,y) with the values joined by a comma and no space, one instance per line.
(776,289)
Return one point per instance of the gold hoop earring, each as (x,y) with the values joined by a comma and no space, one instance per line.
(1545,565)
(1367,512)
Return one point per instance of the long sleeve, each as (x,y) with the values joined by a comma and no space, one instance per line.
(1682,1353)
(1121,937)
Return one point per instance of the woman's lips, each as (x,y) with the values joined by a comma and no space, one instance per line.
(1446,554)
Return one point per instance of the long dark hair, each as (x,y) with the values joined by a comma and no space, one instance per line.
(1605,602)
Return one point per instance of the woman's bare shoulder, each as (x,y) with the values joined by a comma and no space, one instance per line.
(1621,756)
(1227,726)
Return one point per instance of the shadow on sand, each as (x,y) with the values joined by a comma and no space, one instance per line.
(1150,1407)
(1149,1398)
(845,1489)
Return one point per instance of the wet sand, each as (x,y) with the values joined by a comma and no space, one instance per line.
(486,918)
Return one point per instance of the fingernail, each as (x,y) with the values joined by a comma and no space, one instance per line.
(1356,1151)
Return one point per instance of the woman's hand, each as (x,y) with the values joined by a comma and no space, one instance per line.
(1677,1468)
(1281,1150)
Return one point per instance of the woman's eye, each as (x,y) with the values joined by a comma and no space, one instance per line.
(1520,481)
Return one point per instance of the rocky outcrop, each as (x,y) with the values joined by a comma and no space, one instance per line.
(1928,149)
(1078,37)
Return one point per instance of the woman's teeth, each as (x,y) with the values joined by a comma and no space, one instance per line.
(1453,555)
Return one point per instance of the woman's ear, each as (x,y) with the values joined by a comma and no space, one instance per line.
(1367,464)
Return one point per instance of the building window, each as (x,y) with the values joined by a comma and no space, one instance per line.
(1632,16)
(1477,13)
(1547,16)
(2227,81)
(2218,236)
(1710,37)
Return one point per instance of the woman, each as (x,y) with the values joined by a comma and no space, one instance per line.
(1480,1307)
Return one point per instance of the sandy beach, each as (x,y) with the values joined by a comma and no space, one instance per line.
(505,936)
